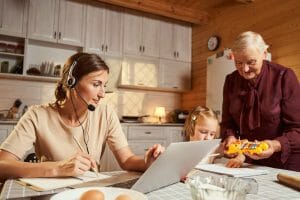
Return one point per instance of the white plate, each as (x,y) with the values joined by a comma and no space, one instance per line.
(110,193)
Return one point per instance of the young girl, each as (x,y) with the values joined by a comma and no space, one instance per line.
(201,124)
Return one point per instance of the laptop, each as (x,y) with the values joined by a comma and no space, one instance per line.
(177,160)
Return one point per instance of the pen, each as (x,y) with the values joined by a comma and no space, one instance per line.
(214,154)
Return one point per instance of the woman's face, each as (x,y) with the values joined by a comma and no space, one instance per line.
(249,62)
(205,129)
(91,87)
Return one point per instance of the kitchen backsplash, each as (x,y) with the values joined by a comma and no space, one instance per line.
(124,101)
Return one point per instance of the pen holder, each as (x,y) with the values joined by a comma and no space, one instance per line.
(221,187)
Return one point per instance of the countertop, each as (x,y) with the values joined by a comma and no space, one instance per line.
(9,121)
(151,124)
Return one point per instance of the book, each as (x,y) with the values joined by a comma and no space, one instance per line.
(235,172)
(44,184)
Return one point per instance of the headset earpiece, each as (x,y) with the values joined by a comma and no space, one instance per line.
(71,80)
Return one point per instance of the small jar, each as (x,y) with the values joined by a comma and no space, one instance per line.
(11,48)
(3,47)
(20,49)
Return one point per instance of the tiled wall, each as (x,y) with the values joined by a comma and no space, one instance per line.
(125,102)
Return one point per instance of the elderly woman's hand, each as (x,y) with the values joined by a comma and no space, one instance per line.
(225,144)
(153,153)
(274,146)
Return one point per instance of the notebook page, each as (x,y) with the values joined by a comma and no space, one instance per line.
(235,172)
(43,184)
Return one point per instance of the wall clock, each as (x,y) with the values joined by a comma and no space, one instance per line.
(213,43)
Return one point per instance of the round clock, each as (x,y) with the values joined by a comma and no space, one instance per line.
(213,43)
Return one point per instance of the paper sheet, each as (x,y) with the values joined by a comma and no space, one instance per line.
(235,172)
(43,184)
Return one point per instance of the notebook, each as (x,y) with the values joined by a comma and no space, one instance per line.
(175,163)
(235,172)
(44,184)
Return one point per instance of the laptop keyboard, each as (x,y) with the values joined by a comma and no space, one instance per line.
(127,184)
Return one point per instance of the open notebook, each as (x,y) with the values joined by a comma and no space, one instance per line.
(235,172)
(44,184)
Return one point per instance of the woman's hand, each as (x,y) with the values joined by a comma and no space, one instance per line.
(274,146)
(225,144)
(236,162)
(76,165)
(153,153)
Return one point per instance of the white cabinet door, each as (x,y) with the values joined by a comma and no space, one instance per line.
(175,74)
(141,34)
(13,17)
(43,20)
(72,15)
(175,41)
(95,31)
(132,33)
(150,37)
(104,29)
(5,131)
(182,42)
(174,134)
(140,72)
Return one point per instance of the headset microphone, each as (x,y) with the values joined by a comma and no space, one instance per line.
(90,107)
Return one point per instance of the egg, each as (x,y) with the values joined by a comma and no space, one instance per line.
(92,195)
(123,197)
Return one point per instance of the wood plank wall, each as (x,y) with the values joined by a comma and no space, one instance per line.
(276,20)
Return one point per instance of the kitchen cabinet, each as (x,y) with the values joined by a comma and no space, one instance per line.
(5,130)
(175,41)
(140,138)
(175,74)
(141,34)
(104,29)
(140,71)
(13,17)
(61,21)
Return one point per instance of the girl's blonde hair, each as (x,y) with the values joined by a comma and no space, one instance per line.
(197,113)
(249,39)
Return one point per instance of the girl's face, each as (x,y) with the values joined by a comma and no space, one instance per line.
(205,129)
(92,86)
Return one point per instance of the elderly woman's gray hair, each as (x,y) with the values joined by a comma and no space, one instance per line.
(249,39)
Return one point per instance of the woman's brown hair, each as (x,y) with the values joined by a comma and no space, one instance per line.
(84,63)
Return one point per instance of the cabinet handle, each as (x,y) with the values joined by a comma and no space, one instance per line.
(54,35)
(106,48)
(102,47)
(143,48)
(59,35)
(177,54)
(148,132)
(140,48)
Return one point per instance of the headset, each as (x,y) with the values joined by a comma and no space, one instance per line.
(71,80)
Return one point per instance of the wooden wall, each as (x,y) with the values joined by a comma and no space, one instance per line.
(276,20)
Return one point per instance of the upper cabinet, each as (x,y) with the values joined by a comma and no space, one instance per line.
(13,17)
(104,29)
(141,34)
(61,21)
(175,41)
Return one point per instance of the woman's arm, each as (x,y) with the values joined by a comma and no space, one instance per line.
(11,167)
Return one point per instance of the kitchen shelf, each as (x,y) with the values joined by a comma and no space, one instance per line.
(29,77)
(136,87)
(12,54)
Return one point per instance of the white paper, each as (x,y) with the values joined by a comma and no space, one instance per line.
(235,172)
(43,184)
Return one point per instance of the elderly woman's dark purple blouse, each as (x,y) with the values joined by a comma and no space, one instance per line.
(268,109)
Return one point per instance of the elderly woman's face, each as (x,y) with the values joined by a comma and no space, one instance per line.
(249,62)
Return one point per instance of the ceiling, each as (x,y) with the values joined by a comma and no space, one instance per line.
(193,11)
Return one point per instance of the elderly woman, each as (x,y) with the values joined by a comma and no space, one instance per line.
(261,102)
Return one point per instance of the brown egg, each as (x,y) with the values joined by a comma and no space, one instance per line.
(123,197)
(92,195)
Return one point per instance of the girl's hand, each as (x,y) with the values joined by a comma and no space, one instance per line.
(274,146)
(76,165)
(236,162)
(153,153)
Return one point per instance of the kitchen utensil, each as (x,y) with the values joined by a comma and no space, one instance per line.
(4,66)
(291,181)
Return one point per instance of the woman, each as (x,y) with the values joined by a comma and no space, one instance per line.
(69,136)
(261,102)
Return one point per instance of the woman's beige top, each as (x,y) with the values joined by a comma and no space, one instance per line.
(42,128)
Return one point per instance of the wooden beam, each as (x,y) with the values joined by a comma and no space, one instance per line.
(163,8)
